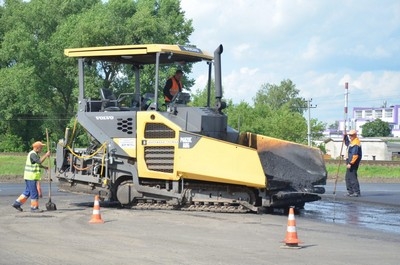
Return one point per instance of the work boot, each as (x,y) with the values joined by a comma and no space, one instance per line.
(348,194)
(36,210)
(16,206)
(355,195)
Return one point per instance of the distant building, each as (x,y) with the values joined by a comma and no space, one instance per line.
(373,149)
(361,116)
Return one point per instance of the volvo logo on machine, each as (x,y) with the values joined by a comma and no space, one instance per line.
(104,118)
(190,49)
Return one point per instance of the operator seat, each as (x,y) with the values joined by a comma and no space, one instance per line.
(110,102)
(148,101)
(181,98)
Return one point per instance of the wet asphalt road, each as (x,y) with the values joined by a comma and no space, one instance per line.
(378,208)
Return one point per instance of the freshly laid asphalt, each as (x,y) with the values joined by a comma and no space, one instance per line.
(374,193)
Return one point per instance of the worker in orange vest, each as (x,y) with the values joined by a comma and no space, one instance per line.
(173,86)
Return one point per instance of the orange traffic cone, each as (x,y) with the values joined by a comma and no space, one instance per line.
(96,217)
(291,240)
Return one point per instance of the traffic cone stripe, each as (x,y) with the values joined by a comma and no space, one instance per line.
(291,239)
(96,217)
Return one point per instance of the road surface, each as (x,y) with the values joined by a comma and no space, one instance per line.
(174,237)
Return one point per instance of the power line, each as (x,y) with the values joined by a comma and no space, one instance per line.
(393,97)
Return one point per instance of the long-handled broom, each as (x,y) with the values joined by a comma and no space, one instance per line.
(346,94)
(340,161)
(50,206)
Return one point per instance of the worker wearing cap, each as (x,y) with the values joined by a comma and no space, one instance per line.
(173,86)
(352,162)
(32,176)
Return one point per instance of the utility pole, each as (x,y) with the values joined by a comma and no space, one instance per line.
(309,106)
(346,100)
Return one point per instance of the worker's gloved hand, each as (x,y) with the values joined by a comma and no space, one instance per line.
(40,196)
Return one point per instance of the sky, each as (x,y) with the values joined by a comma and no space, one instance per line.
(318,44)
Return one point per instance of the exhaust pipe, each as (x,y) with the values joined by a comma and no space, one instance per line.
(218,83)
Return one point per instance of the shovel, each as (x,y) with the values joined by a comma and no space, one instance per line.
(50,206)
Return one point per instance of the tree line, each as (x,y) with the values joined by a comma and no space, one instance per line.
(38,84)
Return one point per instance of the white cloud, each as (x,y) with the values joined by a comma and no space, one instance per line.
(319,45)
(242,51)
(242,85)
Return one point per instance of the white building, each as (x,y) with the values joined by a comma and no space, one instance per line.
(372,149)
(361,116)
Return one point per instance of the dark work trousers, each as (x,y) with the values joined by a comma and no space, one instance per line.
(352,184)
(30,191)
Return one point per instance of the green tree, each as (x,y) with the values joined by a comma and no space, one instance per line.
(33,74)
(317,128)
(39,84)
(11,143)
(279,112)
(376,128)
(240,117)
(199,97)
(275,113)
(277,96)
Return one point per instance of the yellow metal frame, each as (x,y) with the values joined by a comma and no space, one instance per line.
(135,50)
(218,161)
(208,160)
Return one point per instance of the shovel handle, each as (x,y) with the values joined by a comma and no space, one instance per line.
(49,162)
(48,149)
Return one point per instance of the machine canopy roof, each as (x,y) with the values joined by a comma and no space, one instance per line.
(141,54)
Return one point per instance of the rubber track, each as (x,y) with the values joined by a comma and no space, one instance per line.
(225,208)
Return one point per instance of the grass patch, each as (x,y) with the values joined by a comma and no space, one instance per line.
(366,172)
(12,165)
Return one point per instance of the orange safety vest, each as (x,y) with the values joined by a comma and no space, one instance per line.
(175,88)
